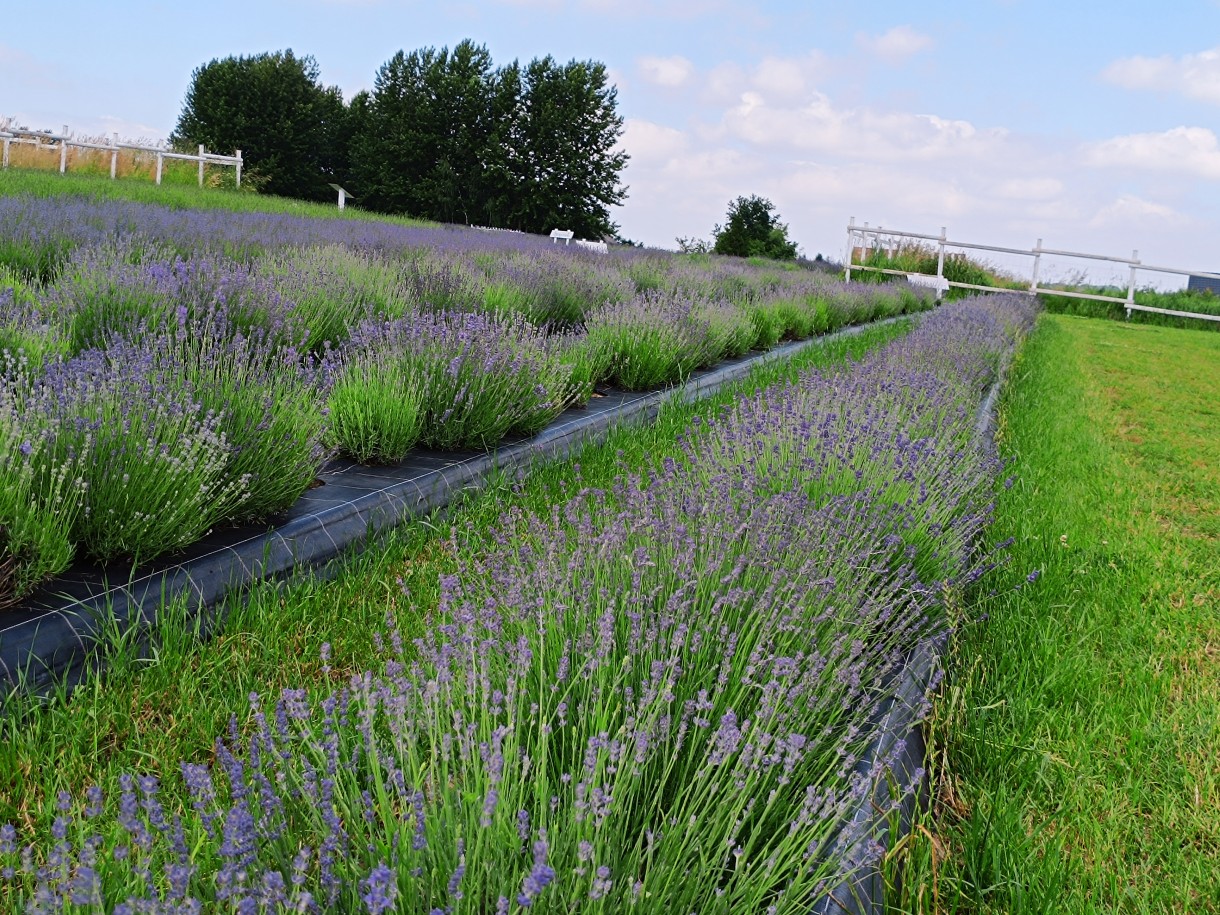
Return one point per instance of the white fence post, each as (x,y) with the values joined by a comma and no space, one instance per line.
(5,160)
(160,160)
(114,157)
(940,261)
(1135,256)
(201,165)
(851,244)
(238,154)
(63,151)
(1033,282)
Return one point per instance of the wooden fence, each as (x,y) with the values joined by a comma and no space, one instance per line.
(863,240)
(11,135)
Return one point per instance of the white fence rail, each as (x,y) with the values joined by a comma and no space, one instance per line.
(866,239)
(11,135)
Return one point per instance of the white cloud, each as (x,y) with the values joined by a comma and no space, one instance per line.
(895,45)
(1194,150)
(1132,212)
(1196,76)
(669,72)
(1039,189)
(776,127)
(863,133)
(788,77)
(649,142)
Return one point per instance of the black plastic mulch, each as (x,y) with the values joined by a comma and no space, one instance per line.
(50,638)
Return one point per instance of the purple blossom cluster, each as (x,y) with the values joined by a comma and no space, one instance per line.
(656,694)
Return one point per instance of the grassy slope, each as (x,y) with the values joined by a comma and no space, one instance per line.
(1077,764)
(39,183)
(147,715)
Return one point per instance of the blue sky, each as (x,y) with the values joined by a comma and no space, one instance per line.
(1091,125)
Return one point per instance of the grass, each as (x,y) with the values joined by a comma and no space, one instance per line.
(916,257)
(149,713)
(1196,302)
(177,194)
(1075,764)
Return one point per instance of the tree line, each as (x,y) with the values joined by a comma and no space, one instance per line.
(443,135)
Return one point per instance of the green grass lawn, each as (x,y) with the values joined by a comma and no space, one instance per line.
(1076,743)
(177,195)
(150,714)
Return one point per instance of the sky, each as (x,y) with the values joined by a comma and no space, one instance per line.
(1089,125)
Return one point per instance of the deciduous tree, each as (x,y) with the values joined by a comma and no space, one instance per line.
(753,229)
(291,129)
(421,144)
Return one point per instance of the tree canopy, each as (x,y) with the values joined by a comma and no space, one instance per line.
(753,229)
(291,129)
(443,135)
(529,147)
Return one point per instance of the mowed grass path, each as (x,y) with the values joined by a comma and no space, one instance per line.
(1077,764)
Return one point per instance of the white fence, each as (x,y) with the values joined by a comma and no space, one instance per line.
(866,239)
(11,135)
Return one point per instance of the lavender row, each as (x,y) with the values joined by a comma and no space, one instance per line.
(171,395)
(653,696)
(449,266)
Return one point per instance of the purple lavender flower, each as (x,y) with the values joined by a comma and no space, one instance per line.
(380,889)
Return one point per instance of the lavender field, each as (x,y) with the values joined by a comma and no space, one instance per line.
(163,372)
(653,696)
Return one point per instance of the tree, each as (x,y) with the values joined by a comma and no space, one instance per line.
(420,140)
(754,230)
(291,129)
(534,148)
(565,150)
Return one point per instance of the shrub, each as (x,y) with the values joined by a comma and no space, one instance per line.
(151,459)
(37,507)
(479,376)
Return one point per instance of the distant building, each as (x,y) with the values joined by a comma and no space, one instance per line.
(1203,283)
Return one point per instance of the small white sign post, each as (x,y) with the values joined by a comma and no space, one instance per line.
(343,195)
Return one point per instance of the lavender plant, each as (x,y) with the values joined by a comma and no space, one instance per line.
(36,509)
(438,281)
(730,327)
(267,399)
(109,292)
(479,377)
(651,340)
(332,289)
(654,696)
(552,289)
(151,459)
(26,334)
(375,407)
